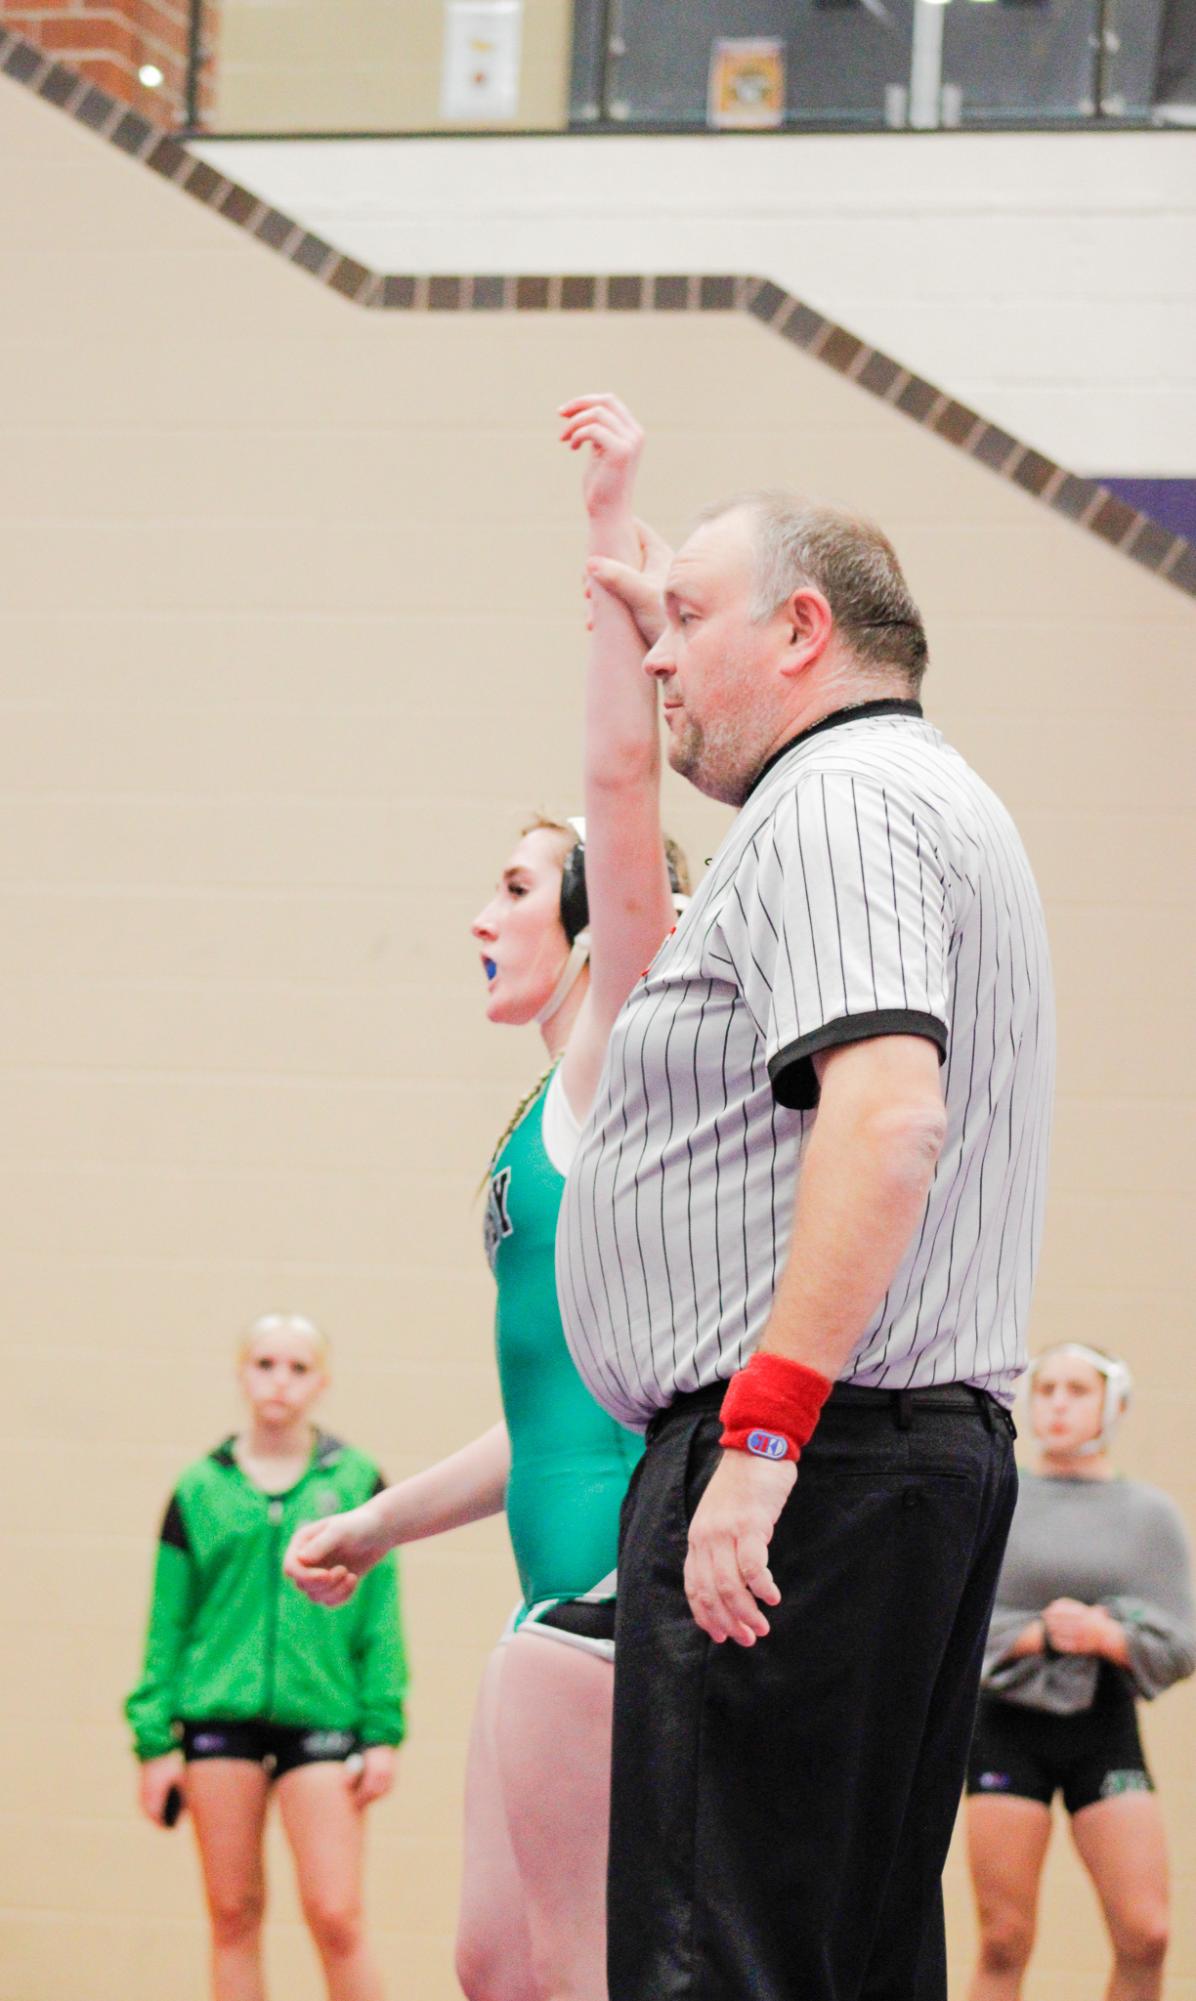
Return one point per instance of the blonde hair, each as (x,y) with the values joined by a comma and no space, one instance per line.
(543,823)
(267,1324)
(674,853)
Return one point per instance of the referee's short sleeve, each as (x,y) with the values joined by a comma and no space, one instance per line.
(844,926)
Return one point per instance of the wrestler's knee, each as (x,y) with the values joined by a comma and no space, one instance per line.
(486,1969)
(1006,1941)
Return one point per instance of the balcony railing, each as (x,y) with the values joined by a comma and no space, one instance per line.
(368,66)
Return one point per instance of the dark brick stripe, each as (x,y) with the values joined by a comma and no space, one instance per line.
(1090,506)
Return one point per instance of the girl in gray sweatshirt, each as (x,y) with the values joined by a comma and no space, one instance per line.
(1094,1611)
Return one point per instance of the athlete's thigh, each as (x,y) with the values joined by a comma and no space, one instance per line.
(1007,1845)
(492,1929)
(324,1827)
(1123,1846)
(554,1740)
(226,1798)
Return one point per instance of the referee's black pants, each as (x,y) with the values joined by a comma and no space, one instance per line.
(781,1813)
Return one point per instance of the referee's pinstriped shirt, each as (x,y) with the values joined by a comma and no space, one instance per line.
(871,884)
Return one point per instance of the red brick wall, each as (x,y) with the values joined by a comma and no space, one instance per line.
(108,41)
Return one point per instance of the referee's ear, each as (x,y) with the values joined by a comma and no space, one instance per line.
(808,626)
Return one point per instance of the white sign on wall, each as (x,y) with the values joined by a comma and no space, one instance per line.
(480,78)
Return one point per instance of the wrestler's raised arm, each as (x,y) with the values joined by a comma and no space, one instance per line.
(627,885)
(639,585)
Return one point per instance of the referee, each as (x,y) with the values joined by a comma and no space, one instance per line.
(803,1221)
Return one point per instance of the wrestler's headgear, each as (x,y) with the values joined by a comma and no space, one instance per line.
(575,915)
(1119,1388)
(575,904)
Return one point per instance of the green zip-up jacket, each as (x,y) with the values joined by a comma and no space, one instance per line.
(231,1638)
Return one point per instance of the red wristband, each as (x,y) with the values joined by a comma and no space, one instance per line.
(772,1406)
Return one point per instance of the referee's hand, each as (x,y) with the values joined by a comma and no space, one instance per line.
(726,1571)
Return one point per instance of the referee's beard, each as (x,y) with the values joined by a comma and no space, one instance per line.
(717,760)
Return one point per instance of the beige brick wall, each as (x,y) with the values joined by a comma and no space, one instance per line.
(289,641)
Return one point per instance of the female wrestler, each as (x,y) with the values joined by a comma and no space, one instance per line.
(264,1691)
(563,939)
(1094,1609)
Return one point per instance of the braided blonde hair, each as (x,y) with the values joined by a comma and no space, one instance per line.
(517,1116)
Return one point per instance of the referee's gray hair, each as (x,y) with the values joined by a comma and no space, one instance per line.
(801,542)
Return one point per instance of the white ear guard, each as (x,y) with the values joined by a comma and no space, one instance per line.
(579,952)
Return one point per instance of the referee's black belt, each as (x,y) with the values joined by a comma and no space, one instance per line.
(900,1405)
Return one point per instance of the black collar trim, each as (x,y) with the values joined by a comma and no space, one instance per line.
(889,705)
(325,1449)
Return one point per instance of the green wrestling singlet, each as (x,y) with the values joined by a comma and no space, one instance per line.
(570,1462)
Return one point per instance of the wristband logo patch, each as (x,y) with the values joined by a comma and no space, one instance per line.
(767,1444)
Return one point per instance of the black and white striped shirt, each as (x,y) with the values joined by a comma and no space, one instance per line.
(870,885)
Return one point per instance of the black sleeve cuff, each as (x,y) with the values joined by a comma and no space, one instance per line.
(792,1074)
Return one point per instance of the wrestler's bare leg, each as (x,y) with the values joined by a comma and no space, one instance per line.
(494,1960)
(554,1731)
(1123,1846)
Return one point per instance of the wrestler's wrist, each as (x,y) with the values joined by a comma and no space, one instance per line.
(385,1518)
(772,1407)
(606,515)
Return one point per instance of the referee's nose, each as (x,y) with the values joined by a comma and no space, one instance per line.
(658,660)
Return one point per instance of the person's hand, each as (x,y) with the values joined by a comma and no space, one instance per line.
(642,589)
(1074,1628)
(726,1571)
(1031,1640)
(373,1774)
(615,441)
(155,1779)
(326,1558)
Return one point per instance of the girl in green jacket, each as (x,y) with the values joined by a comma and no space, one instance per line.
(246,1686)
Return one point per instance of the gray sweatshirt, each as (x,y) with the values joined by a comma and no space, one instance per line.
(1115,1543)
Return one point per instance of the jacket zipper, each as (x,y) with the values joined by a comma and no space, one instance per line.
(274,1512)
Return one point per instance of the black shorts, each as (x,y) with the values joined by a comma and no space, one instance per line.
(277,1747)
(582,1618)
(1030,1754)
